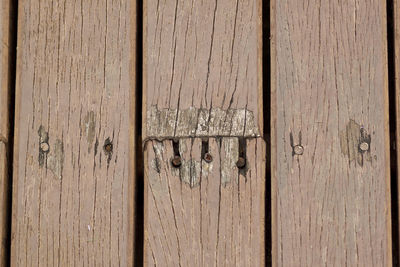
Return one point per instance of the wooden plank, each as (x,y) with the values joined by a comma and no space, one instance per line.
(396,47)
(205,214)
(72,191)
(4,128)
(203,88)
(202,74)
(330,95)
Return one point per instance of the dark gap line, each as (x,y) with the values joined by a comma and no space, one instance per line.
(393,131)
(12,53)
(139,168)
(266,75)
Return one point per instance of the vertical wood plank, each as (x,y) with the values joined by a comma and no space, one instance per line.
(330,95)
(203,88)
(396,25)
(73,176)
(4,127)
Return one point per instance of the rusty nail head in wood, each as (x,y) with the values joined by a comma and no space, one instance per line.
(207,157)
(44,147)
(108,147)
(241,163)
(364,146)
(176,161)
(298,150)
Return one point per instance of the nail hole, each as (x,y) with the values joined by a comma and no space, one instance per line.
(241,163)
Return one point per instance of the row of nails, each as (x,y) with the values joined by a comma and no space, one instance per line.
(176,161)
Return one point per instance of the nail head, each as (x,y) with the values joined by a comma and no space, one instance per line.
(108,147)
(241,163)
(298,150)
(176,161)
(44,147)
(364,146)
(208,157)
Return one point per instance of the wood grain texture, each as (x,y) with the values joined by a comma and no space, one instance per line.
(72,191)
(215,219)
(396,24)
(202,68)
(202,78)
(4,127)
(329,73)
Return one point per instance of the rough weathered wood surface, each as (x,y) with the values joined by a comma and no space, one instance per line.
(205,214)
(72,191)
(396,24)
(202,75)
(202,83)
(4,126)
(329,92)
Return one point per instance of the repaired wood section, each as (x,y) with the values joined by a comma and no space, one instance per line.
(72,198)
(329,71)
(5,86)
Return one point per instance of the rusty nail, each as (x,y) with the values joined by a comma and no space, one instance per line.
(241,163)
(108,147)
(44,147)
(207,157)
(298,150)
(364,146)
(176,161)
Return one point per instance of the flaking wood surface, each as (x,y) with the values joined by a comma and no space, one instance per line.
(202,68)
(205,214)
(72,204)
(4,126)
(330,94)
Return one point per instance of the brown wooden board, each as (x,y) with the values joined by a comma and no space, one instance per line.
(4,126)
(73,157)
(330,95)
(396,24)
(204,214)
(202,83)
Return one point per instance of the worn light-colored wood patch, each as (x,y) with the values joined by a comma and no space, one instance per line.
(204,214)
(329,71)
(193,122)
(73,176)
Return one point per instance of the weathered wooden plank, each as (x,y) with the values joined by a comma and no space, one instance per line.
(4,127)
(202,74)
(203,88)
(330,95)
(72,192)
(204,214)
(396,25)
